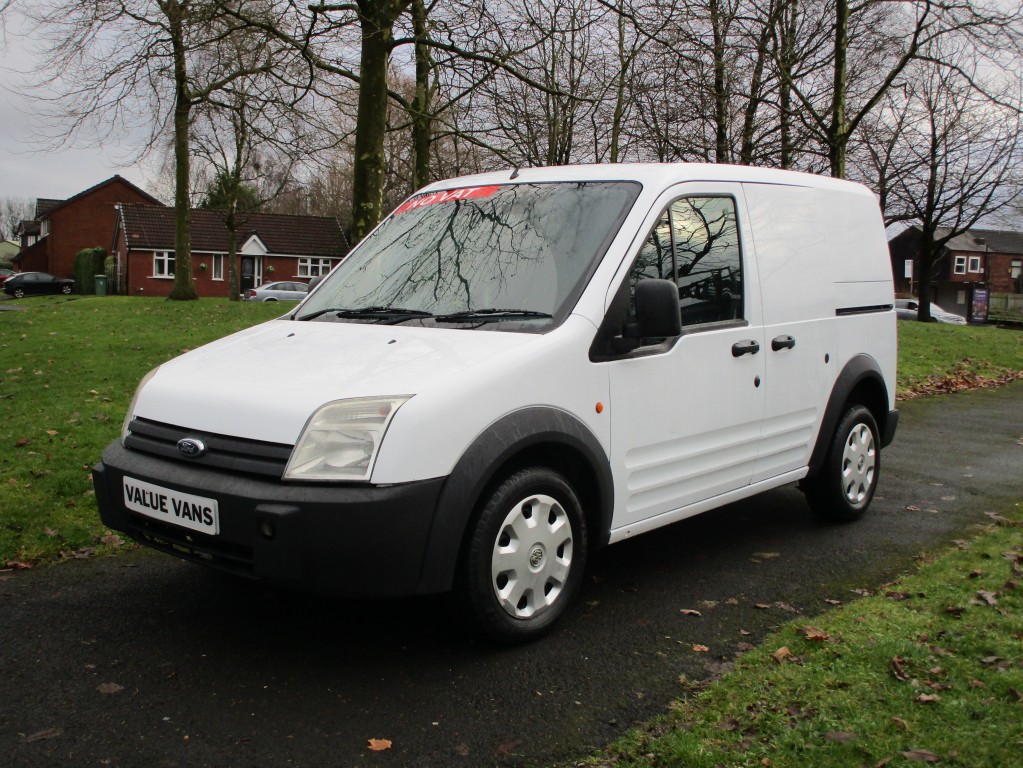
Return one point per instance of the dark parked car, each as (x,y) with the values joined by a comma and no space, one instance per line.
(29,283)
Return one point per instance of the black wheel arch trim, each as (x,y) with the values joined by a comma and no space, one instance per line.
(495,448)
(859,370)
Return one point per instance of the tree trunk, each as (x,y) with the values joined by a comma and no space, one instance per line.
(376,18)
(720,94)
(422,121)
(789,24)
(184,283)
(837,137)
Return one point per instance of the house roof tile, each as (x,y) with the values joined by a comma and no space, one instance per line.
(150,227)
(45,207)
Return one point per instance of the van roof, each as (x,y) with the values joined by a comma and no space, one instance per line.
(656,174)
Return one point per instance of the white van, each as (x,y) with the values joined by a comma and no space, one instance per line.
(518,368)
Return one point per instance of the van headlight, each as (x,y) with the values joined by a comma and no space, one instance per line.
(134,399)
(340,441)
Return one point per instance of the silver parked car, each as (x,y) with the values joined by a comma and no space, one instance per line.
(279,291)
(906,309)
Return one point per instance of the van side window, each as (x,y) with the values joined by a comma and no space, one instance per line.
(696,244)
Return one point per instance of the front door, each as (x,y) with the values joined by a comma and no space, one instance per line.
(249,273)
(686,417)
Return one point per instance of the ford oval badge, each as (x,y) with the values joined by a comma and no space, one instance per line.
(191,448)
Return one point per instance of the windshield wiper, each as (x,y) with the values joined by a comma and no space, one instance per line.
(491,315)
(383,313)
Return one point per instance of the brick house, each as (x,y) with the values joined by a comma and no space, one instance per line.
(270,247)
(62,228)
(979,257)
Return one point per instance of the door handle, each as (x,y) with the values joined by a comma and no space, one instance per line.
(782,342)
(748,347)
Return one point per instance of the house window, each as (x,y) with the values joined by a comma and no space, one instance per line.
(960,265)
(1016,269)
(314,267)
(44,228)
(218,266)
(974,265)
(163,264)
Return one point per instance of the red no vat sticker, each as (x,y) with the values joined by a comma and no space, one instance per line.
(447,196)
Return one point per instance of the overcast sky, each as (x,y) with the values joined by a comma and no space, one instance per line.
(27,172)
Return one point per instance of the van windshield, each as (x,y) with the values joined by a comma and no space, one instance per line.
(508,257)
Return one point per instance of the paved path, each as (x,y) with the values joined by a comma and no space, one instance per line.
(142,660)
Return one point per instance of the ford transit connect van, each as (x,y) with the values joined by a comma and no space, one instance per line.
(518,368)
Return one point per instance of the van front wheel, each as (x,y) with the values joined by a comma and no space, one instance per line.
(526,555)
(843,488)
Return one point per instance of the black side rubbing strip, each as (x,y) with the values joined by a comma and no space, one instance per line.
(863,310)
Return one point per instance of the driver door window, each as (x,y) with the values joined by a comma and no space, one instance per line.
(695,243)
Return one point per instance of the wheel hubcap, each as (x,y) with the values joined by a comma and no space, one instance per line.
(532,556)
(859,460)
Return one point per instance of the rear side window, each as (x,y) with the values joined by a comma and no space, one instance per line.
(695,243)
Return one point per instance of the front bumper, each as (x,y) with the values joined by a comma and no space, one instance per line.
(356,541)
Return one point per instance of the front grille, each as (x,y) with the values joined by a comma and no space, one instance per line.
(191,545)
(234,454)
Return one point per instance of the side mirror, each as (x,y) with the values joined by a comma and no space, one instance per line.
(657,313)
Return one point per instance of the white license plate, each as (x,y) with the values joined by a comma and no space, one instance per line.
(176,507)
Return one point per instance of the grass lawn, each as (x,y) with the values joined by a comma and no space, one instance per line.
(930,672)
(70,367)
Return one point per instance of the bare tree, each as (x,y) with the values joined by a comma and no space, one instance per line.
(950,158)
(123,65)
(13,210)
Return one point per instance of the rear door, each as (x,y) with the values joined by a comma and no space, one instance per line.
(686,413)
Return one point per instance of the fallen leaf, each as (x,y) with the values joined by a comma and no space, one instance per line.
(901,723)
(690,612)
(988,598)
(52,432)
(462,750)
(927,698)
(508,747)
(109,689)
(379,745)
(49,733)
(976,573)
(813,633)
(700,648)
(21,442)
(1016,693)
(781,654)
(892,595)
(921,756)
(767,555)
(895,665)
(830,601)
(761,606)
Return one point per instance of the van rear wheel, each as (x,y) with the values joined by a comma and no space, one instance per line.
(526,555)
(845,485)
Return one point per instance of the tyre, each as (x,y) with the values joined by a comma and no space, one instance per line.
(19,293)
(525,556)
(843,488)
(66,290)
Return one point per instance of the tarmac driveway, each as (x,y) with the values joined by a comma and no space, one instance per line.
(142,660)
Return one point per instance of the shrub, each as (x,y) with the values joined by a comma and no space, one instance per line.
(89,262)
